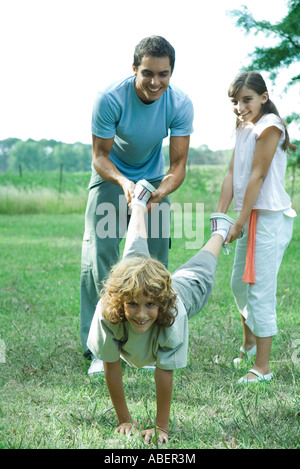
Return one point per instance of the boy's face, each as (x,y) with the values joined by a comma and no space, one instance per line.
(141,312)
(152,78)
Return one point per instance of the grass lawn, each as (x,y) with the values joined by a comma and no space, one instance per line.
(48,401)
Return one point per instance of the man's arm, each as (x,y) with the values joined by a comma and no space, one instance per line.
(179,147)
(106,169)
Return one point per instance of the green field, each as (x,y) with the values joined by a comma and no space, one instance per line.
(48,401)
(47,192)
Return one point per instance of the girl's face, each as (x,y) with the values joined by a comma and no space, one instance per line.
(247,104)
(141,312)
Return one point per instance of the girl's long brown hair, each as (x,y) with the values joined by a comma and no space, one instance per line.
(256,82)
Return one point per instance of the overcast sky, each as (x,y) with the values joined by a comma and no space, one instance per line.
(56,54)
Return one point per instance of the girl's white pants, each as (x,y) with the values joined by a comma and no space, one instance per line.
(257,303)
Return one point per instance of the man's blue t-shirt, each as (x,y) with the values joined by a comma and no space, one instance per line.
(139,129)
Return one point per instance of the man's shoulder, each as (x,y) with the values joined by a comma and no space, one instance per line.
(119,86)
(178,92)
(178,97)
(113,96)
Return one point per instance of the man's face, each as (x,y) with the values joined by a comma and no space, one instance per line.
(152,78)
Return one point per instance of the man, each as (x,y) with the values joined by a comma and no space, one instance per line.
(129,122)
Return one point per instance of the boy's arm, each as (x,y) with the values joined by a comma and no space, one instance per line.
(164,388)
(114,382)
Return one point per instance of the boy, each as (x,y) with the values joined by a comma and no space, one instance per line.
(143,314)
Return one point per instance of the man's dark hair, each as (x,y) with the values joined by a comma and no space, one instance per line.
(155,46)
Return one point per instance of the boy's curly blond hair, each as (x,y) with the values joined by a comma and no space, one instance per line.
(134,275)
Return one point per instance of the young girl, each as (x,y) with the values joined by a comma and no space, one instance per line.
(255,180)
(143,314)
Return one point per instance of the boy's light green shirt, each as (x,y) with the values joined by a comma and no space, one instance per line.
(164,346)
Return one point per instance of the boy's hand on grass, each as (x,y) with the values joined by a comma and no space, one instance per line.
(127,428)
(161,434)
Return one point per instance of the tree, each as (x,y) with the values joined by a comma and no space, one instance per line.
(5,148)
(74,157)
(272,59)
(30,155)
(294,162)
(287,31)
(44,155)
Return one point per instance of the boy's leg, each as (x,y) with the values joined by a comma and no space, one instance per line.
(220,226)
(214,245)
(194,280)
(137,227)
(221,223)
(157,221)
(136,238)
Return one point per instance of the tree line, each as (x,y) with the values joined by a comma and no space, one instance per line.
(50,155)
(43,155)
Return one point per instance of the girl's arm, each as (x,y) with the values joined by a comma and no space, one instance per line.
(114,382)
(226,195)
(164,388)
(264,152)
